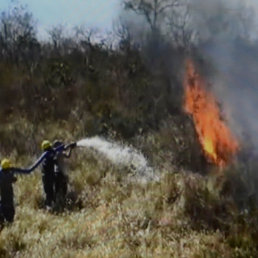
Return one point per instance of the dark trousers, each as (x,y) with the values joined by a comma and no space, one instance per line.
(7,212)
(48,184)
(61,182)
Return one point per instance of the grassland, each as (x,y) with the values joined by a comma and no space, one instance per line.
(111,214)
(74,88)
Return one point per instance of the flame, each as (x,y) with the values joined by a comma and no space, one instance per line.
(218,143)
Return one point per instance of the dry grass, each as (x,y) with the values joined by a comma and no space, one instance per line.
(183,215)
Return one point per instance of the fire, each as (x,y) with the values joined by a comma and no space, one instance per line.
(218,143)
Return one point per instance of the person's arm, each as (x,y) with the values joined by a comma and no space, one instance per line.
(67,155)
(60,148)
(14,179)
(33,167)
(70,146)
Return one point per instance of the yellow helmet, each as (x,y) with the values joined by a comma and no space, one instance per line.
(45,145)
(5,163)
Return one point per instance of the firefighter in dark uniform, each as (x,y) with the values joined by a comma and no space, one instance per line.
(61,177)
(7,178)
(48,168)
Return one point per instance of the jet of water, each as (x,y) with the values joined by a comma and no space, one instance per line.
(121,156)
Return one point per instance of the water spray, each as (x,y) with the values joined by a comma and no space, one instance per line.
(121,155)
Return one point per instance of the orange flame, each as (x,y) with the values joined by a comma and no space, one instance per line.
(218,143)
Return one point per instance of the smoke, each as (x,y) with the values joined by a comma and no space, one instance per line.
(227,39)
(122,156)
(221,20)
(225,35)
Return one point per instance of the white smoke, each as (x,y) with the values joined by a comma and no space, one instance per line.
(121,156)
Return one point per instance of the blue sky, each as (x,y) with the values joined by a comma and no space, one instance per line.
(93,13)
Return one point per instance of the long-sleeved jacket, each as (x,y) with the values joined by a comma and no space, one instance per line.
(60,167)
(46,158)
(7,179)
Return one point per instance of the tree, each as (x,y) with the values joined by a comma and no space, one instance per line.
(57,35)
(178,26)
(123,33)
(167,19)
(17,34)
(152,10)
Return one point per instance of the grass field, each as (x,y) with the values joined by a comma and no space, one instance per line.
(182,215)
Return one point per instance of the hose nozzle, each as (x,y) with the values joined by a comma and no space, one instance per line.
(73,145)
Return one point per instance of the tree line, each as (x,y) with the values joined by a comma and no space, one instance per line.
(129,82)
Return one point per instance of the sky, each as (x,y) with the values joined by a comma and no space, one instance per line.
(48,13)
(92,13)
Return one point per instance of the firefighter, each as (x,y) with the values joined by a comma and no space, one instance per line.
(48,164)
(48,169)
(61,178)
(49,159)
(7,178)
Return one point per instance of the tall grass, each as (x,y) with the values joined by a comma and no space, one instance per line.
(182,215)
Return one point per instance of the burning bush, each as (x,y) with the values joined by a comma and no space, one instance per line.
(217,141)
